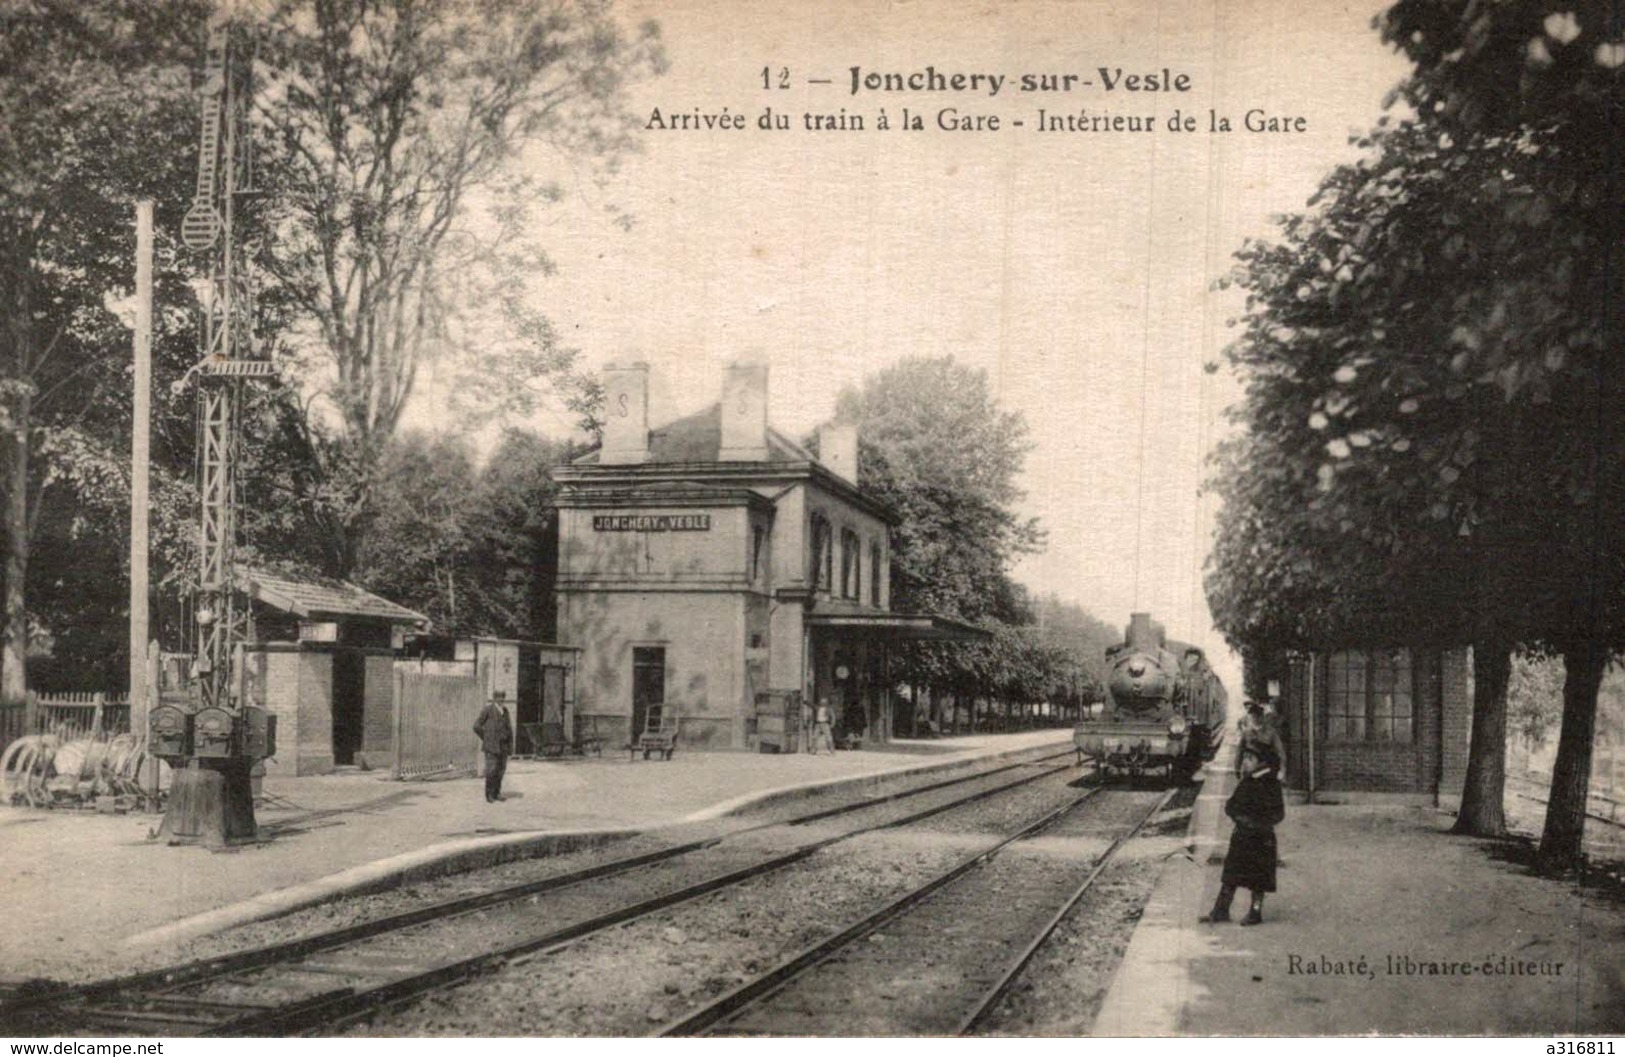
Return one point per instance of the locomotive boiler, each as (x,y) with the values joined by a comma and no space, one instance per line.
(1164,709)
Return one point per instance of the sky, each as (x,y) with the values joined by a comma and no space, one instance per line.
(1075,267)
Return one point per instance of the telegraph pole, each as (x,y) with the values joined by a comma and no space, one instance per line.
(140,464)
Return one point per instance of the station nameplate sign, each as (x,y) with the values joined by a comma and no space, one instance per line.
(651,522)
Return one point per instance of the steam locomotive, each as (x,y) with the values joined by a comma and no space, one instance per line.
(1164,709)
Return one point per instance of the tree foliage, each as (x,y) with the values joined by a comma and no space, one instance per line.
(1433,366)
(93,98)
(1394,422)
(471,547)
(1524,70)
(1534,696)
(936,447)
(402,208)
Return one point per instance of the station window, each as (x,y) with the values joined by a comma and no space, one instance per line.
(822,560)
(874,575)
(851,573)
(758,537)
(1370,696)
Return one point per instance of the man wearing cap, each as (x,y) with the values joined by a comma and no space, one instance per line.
(495,731)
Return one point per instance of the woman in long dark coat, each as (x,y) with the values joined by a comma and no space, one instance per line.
(1256,807)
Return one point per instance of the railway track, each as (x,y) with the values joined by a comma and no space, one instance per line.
(333,978)
(1593,798)
(937,960)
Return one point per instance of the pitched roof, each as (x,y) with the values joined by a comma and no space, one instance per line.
(698,438)
(313,597)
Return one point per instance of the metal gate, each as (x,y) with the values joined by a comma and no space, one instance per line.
(434,721)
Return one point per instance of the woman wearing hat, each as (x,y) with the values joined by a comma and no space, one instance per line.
(1256,807)
(1258,731)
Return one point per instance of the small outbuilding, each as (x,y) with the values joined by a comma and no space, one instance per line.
(536,679)
(1388,722)
(320,656)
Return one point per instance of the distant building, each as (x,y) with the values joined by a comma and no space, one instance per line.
(713,563)
(1389,722)
(536,679)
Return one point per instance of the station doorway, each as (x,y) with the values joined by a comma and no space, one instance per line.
(349,704)
(648,684)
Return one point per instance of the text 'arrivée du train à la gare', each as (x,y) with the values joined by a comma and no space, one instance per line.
(871,84)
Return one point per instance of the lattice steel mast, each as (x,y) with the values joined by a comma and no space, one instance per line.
(224,175)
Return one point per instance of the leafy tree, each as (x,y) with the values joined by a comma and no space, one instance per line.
(402,210)
(1083,638)
(514,529)
(1396,479)
(418,552)
(1534,696)
(93,99)
(937,448)
(1521,69)
(473,549)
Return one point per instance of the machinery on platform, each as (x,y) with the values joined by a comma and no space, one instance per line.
(214,742)
(1164,710)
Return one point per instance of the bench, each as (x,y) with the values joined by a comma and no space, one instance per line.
(659,734)
(548,740)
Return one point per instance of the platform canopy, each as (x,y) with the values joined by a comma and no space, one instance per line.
(916,627)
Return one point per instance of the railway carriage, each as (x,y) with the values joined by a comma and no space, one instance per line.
(1164,710)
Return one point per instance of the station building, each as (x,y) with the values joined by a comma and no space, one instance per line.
(716,567)
(1388,722)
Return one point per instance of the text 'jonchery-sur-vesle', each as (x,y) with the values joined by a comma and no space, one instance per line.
(931,79)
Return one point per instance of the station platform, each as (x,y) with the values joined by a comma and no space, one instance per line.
(83,890)
(1384,923)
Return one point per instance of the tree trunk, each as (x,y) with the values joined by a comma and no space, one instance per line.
(1571,774)
(14,643)
(1483,811)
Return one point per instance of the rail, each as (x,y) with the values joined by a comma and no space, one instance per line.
(748,994)
(133,1003)
(1609,804)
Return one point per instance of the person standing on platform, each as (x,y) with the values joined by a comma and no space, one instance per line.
(495,730)
(822,735)
(1259,730)
(1256,807)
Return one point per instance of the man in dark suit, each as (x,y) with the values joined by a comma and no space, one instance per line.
(495,731)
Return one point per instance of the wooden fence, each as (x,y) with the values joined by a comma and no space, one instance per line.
(13,722)
(434,722)
(69,716)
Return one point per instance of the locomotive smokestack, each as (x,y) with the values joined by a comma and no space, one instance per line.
(1142,634)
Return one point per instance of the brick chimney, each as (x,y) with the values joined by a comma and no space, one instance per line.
(838,450)
(744,412)
(626,415)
